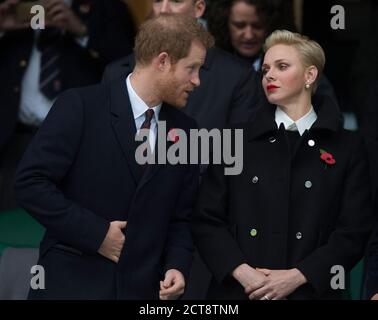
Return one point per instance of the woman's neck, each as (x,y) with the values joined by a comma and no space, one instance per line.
(296,110)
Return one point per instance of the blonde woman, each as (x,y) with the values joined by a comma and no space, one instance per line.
(300,211)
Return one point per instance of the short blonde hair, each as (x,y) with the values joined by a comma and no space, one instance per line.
(311,53)
(172,33)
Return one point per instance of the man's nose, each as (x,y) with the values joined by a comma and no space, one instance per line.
(196,80)
(165,7)
(248,33)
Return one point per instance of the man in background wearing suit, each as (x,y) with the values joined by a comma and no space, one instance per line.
(115,228)
(80,38)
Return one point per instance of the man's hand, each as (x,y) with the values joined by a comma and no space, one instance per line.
(8,21)
(112,245)
(173,285)
(280,283)
(59,15)
(249,277)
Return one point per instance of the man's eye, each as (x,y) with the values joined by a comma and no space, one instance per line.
(257,26)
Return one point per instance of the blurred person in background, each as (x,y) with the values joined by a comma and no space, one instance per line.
(80,38)
(241,27)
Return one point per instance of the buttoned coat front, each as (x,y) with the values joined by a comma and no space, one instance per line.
(288,208)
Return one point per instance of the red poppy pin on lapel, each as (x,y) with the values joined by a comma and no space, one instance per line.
(173,135)
(327,158)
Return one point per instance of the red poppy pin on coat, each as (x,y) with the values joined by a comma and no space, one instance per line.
(173,135)
(327,158)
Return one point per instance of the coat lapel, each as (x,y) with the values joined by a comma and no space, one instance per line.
(124,124)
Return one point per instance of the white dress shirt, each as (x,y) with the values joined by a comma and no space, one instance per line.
(301,125)
(139,107)
(34,106)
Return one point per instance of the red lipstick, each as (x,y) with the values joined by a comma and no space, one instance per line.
(271,87)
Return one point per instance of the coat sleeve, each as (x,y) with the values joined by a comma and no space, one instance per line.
(346,243)
(42,170)
(210,226)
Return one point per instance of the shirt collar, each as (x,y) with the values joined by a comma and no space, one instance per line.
(138,106)
(301,125)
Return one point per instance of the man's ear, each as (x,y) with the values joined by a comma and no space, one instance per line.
(163,62)
(199,8)
(311,74)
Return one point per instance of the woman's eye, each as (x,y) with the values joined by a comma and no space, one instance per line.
(283,66)
(239,25)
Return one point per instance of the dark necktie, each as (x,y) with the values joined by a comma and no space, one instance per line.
(149,114)
(49,77)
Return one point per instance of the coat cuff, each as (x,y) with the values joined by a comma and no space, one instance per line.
(227,266)
(179,260)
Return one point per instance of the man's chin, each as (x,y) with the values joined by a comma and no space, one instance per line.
(182,104)
(178,104)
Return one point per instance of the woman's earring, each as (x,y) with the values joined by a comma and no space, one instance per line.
(307,86)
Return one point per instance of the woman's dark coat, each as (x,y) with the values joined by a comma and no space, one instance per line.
(288,208)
